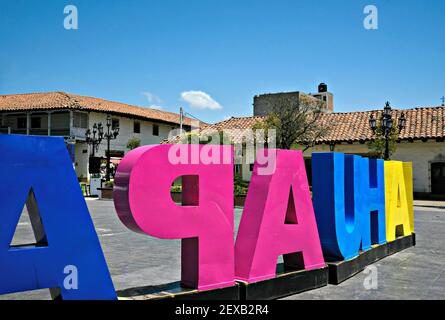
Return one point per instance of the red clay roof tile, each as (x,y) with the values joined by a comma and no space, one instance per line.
(62,100)
(421,123)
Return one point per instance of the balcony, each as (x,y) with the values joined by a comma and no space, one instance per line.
(38,132)
(56,123)
(4,130)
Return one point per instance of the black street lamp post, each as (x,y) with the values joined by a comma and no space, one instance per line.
(387,122)
(95,137)
(111,134)
(93,140)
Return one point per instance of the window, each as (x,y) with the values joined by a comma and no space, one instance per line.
(36,123)
(21,123)
(114,123)
(137,127)
(80,120)
(155,130)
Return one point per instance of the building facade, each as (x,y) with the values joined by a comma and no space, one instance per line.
(70,116)
(421,142)
(264,104)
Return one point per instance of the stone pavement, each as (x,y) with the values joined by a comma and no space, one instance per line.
(137,260)
(415,273)
(429,204)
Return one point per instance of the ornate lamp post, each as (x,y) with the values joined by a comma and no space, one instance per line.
(91,138)
(111,134)
(95,137)
(386,123)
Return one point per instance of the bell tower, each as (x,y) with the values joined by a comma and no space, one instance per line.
(326,96)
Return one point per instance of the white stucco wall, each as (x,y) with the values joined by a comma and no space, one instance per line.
(81,160)
(126,132)
(421,154)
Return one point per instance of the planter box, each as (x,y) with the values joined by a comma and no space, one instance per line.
(177,197)
(106,193)
(239,201)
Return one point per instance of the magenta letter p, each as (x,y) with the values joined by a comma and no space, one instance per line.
(205,221)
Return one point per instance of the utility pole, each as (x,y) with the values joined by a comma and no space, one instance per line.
(181,119)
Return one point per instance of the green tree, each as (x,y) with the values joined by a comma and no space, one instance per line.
(295,122)
(202,137)
(133,143)
(378,144)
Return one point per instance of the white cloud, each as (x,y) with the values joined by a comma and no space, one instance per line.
(200,100)
(151,98)
(155,107)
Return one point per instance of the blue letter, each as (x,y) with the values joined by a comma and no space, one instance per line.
(335,187)
(372,202)
(38,171)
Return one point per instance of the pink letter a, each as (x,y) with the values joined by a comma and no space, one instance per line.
(278,219)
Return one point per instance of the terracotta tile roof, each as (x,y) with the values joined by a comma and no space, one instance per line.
(62,100)
(421,123)
(236,126)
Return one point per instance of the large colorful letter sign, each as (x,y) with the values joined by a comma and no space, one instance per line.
(278,219)
(408,175)
(335,189)
(205,221)
(371,199)
(39,169)
(399,211)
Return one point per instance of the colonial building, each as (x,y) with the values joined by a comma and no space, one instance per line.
(69,116)
(420,142)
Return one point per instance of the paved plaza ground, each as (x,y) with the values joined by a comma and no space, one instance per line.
(136,260)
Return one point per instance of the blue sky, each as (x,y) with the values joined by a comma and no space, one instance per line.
(223,52)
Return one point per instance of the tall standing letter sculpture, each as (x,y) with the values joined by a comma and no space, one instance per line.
(371,199)
(278,219)
(205,221)
(408,176)
(335,186)
(398,212)
(67,257)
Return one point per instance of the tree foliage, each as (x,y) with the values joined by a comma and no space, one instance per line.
(204,137)
(296,122)
(377,145)
(133,143)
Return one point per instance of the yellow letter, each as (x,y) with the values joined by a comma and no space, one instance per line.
(398,214)
(408,174)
